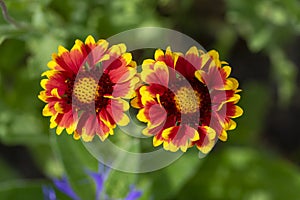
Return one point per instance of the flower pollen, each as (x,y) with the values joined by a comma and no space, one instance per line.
(85,89)
(187,100)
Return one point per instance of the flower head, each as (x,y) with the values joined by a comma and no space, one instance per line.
(187,99)
(86,87)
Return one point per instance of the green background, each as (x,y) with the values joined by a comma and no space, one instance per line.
(259,38)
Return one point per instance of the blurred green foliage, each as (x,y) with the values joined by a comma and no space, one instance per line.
(241,168)
(267,26)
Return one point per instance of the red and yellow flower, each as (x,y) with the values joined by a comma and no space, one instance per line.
(86,88)
(187,100)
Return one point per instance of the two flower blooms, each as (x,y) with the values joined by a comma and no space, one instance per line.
(185,99)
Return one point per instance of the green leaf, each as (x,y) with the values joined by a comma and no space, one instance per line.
(41,49)
(165,183)
(6,29)
(45,159)
(243,173)
(247,133)
(21,189)
(2,38)
(7,172)
(118,182)
(260,40)
(21,129)
(76,160)
(285,74)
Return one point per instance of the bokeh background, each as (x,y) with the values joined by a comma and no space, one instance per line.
(259,38)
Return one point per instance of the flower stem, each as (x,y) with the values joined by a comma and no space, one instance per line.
(6,16)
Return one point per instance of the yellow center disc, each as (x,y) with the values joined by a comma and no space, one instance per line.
(85,89)
(187,100)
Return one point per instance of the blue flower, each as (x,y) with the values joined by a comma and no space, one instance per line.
(99,178)
(49,193)
(64,186)
(133,194)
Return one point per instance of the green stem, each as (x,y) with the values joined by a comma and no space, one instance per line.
(6,16)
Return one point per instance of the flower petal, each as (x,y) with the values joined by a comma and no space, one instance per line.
(117,109)
(49,193)
(207,139)
(180,137)
(159,74)
(133,193)
(64,186)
